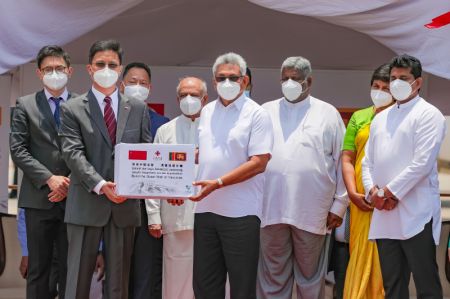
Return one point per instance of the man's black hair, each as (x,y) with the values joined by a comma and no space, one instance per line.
(52,51)
(139,65)
(105,45)
(407,61)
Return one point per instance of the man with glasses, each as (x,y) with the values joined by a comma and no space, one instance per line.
(304,193)
(91,127)
(235,144)
(36,150)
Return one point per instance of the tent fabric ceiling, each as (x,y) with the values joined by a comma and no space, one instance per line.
(29,25)
(399,25)
(194,32)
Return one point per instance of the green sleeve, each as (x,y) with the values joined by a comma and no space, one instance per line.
(350,135)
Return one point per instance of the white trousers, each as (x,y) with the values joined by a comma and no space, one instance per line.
(178,256)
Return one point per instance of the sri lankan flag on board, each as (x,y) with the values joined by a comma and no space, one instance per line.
(177,156)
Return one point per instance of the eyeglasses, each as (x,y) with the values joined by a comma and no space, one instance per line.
(231,78)
(49,70)
(102,65)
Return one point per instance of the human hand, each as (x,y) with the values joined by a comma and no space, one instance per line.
(54,196)
(207,187)
(176,202)
(390,203)
(58,184)
(100,267)
(333,221)
(109,189)
(23,267)
(155,230)
(360,201)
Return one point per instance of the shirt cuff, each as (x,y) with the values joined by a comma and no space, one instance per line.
(98,187)
(154,218)
(338,208)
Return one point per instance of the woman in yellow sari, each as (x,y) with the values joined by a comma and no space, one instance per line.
(363,277)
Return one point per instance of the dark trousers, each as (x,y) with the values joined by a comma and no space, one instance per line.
(146,263)
(46,241)
(84,242)
(400,258)
(225,245)
(340,258)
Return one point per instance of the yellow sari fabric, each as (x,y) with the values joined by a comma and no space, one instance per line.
(363,277)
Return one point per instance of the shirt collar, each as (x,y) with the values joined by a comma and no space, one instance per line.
(101,97)
(188,119)
(64,95)
(306,102)
(238,103)
(410,103)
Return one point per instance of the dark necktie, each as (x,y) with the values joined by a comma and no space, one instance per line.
(57,102)
(110,120)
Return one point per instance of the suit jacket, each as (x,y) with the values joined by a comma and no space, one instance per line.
(36,149)
(156,121)
(88,151)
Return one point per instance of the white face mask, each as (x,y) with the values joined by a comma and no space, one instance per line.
(106,77)
(228,90)
(137,91)
(291,90)
(400,89)
(190,105)
(55,81)
(380,98)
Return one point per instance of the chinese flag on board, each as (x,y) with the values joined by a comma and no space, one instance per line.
(137,155)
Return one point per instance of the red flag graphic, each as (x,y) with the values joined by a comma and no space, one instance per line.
(439,21)
(137,155)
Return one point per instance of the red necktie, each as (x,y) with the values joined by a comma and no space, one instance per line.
(110,120)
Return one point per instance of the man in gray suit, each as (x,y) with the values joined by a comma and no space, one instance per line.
(36,149)
(91,126)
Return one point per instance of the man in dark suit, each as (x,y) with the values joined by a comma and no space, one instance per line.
(36,149)
(146,261)
(91,126)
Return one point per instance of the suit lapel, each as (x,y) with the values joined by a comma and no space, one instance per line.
(124,111)
(94,112)
(46,111)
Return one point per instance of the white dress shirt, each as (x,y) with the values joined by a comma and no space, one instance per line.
(401,154)
(181,130)
(64,96)
(304,178)
(228,137)
(115,106)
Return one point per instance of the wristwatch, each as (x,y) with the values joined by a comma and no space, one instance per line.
(220,182)
(380,193)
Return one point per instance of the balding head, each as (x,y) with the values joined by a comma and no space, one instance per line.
(191,87)
(192,83)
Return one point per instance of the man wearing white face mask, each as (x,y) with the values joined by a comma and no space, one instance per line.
(304,194)
(401,180)
(235,143)
(36,150)
(146,265)
(91,127)
(178,222)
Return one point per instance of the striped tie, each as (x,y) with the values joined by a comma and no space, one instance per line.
(110,120)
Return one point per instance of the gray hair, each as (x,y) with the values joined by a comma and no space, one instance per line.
(203,84)
(298,63)
(230,58)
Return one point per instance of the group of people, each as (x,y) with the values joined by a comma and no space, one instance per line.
(284,191)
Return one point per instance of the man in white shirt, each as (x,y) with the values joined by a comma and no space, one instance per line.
(177,222)
(304,194)
(401,180)
(235,144)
